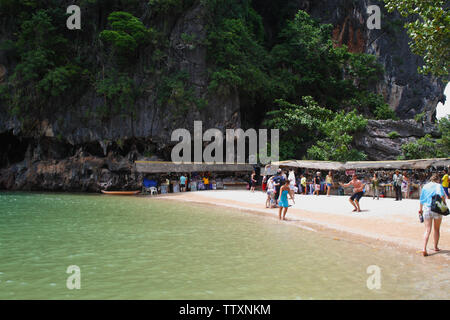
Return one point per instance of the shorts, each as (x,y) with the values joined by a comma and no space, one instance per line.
(446,191)
(428,214)
(182,185)
(357,196)
(328,184)
(317,187)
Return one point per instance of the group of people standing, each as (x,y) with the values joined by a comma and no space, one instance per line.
(401,185)
(279,187)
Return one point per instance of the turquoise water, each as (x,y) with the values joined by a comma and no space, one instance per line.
(142,248)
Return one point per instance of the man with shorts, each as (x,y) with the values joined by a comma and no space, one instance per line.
(358,188)
(183,183)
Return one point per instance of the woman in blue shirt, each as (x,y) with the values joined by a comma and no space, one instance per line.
(428,191)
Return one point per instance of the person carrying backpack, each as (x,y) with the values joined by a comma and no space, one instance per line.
(429,217)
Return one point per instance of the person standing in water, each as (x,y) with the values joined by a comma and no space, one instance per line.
(329,182)
(427,216)
(358,188)
(283,202)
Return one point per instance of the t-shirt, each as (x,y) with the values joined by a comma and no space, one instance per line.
(397,179)
(280,180)
(428,191)
(445,181)
(205,180)
(303,181)
(329,179)
(183,180)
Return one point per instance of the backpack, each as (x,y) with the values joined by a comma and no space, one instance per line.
(438,206)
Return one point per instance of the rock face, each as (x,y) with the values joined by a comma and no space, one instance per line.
(75,152)
(377,144)
(406,91)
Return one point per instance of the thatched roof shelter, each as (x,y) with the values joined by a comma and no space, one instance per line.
(166,167)
(355,165)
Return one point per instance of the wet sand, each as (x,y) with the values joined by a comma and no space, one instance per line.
(381,222)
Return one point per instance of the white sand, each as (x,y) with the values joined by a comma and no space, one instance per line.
(384,220)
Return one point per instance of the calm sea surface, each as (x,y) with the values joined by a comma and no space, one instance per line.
(139,248)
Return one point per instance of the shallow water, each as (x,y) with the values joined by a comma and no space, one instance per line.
(142,248)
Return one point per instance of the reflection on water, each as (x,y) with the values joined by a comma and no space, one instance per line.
(139,248)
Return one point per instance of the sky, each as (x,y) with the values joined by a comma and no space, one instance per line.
(444,110)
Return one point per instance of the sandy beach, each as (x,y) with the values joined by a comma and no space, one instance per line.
(384,221)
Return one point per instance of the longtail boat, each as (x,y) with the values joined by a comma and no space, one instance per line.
(121,193)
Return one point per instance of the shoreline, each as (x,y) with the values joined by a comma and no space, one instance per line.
(337,228)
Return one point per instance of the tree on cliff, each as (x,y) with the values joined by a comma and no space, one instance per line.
(430,32)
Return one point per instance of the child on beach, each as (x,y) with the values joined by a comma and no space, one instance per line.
(283,202)
(358,192)
(270,202)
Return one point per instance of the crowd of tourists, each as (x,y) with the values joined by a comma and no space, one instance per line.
(432,202)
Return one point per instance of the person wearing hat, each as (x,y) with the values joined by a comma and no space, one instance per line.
(397,181)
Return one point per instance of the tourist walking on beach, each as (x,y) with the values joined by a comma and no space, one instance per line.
(252,182)
(429,217)
(445,182)
(358,188)
(397,181)
(375,183)
(329,182)
(317,183)
(405,186)
(283,202)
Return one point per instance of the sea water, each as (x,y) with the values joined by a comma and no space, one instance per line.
(146,248)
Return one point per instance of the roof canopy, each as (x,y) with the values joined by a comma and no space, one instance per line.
(394,164)
(166,167)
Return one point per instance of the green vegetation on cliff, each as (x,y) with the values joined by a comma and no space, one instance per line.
(294,77)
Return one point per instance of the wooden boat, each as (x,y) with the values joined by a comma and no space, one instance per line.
(121,193)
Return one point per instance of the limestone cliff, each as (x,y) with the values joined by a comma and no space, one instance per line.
(79,150)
